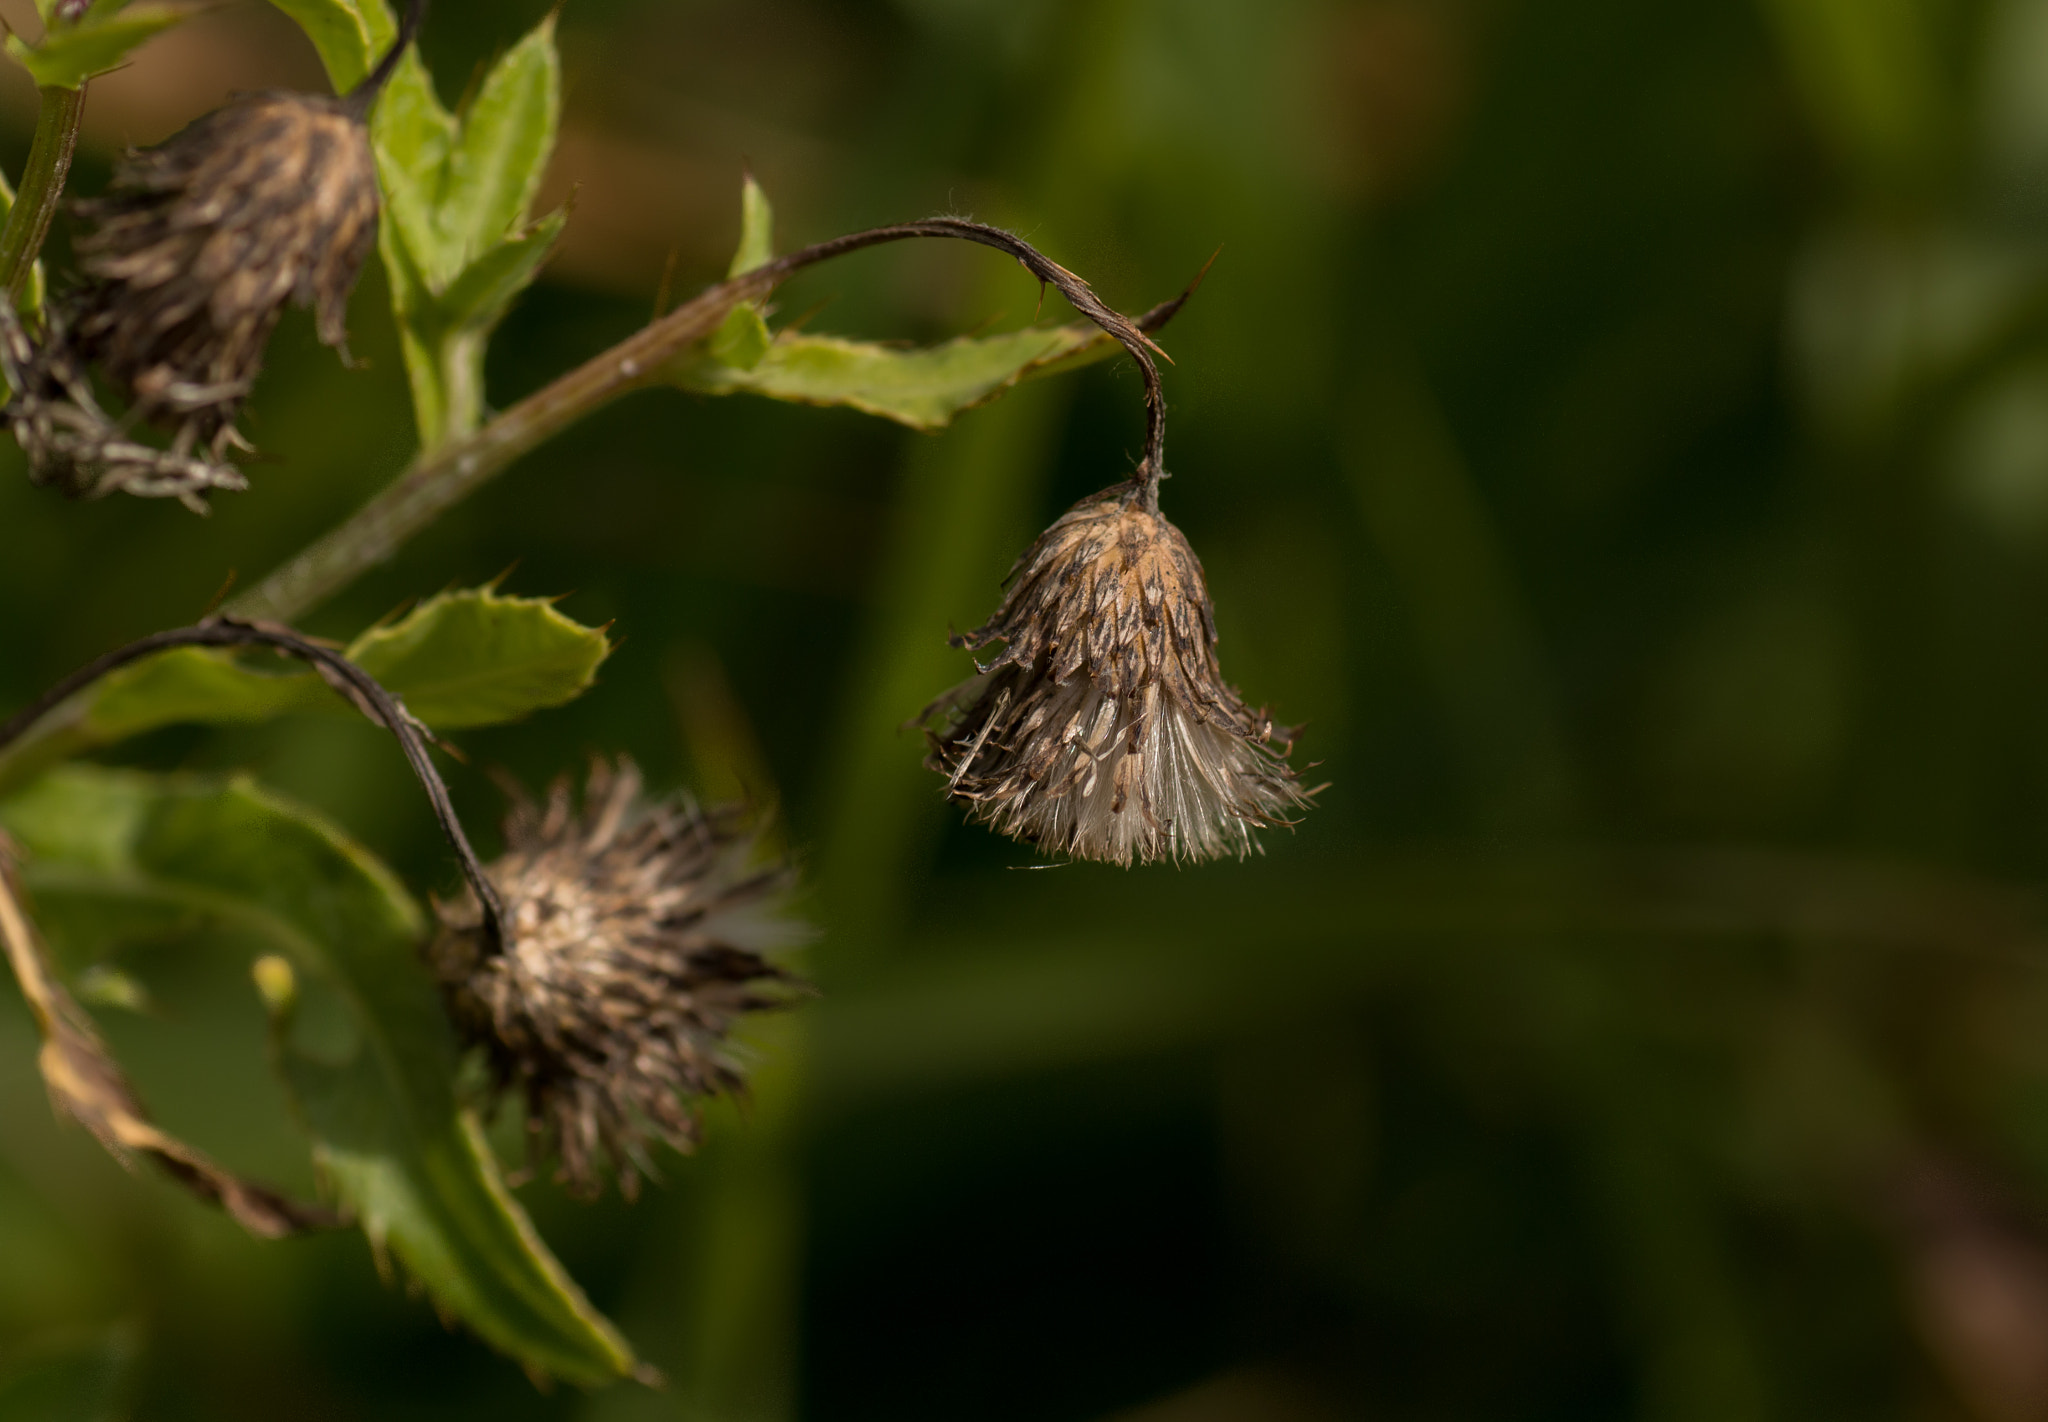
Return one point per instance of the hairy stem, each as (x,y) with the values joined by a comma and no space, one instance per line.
(445,476)
(42,185)
(368,695)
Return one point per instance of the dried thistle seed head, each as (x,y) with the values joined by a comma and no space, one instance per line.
(200,242)
(73,444)
(1105,729)
(635,935)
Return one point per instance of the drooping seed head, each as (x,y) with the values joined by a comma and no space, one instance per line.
(1105,729)
(635,937)
(200,242)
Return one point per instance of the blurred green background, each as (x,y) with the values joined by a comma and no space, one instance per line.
(1618,431)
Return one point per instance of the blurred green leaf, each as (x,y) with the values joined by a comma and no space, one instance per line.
(1869,72)
(69,56)
(78,1377)
(454,237)
(349,34)
(757,230)
(743,338)
(387,1132)
(499,155)
(480,297)
(478,659)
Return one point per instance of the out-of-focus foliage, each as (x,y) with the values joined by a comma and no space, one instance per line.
(1619,431)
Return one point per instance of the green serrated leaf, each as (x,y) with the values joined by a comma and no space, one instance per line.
(349,34)
(922,388)
(500,154)
(478,659)
(71,54)
(387,1131)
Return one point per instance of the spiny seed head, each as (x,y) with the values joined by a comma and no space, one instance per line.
(634,939)
(200,242)
(1105,729)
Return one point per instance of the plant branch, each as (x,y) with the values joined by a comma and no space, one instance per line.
(42,185)
(362,690)
(447,475)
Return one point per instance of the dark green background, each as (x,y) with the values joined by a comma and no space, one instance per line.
(1617,430)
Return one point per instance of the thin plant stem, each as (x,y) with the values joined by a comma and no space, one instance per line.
(42,185)
(367,694)
(449,474)
(363,97)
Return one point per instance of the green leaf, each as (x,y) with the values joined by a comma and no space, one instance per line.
(460,660)
(480,297)
(500,154)
(757,230)
(454,237)
(70,55)
(349,34)
(413,135)
(478,659)
(387,1131)
(923,388)
(743,338)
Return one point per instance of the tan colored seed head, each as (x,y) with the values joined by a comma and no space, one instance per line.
(200,242)
(1105,729)
(635,937)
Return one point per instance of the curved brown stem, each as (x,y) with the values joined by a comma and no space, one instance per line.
(362,690)
(1079,295)
(450,473)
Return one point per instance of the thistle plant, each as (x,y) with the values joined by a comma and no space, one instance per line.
(597,972)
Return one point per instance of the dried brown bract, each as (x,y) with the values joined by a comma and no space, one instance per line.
(200,242)
(635,934)
(1105,729)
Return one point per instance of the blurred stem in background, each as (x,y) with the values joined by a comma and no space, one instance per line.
(1463,599)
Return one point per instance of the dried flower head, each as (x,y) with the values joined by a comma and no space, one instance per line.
(634,939)
(71,442)
(1105,729)
(201,241)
